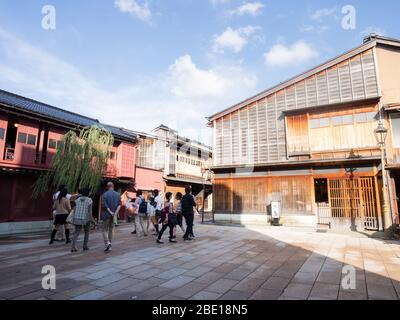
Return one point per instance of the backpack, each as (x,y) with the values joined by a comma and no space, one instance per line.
(143,207)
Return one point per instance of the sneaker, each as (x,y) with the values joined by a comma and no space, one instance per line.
(133,232)
(172,240)
(187,239)
(74,250)
(86,249)
(160,241)
(108,248)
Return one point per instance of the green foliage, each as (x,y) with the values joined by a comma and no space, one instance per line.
(79,162)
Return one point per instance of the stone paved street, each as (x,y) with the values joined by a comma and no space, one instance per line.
(223,263)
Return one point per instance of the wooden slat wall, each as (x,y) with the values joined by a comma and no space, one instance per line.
(357,135)
(252,195)
(297,134)
(353,79)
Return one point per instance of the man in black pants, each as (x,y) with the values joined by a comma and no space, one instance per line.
(188,203)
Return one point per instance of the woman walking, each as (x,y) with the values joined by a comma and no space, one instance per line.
(142,216)
(179,216)
(62,207)
(168,219)
(82,219)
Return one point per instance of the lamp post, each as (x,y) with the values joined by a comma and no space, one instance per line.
(381,135)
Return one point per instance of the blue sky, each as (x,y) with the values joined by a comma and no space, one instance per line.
(136,63)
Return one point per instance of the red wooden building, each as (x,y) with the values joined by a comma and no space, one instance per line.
(29,134)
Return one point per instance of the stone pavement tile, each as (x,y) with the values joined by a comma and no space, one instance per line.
(120,295)
(109,279)
(209,277)
(9,287)
(380,292)
(262,273)
(325,291)
(195,263)
(170,264)
(238,274)
(147,274)
(21,291)
(78,290)
(170,297)
(263,294)
(171,273)
(133,271)
(126,283)
(396,285)
(206,295)
(305,277)
(102,273)
(58,297)
(352,295)
(188,290)
(297,290)
(276,284)
(285,273)
(311,267)
(91,295)
(177,282)
(150,294)
(375,279)
(251,265)
(235,295)
(226,268)
(130,264)
(289,298)
(35,295)
(222,285)
(330,277)
(198,272)
(248,285)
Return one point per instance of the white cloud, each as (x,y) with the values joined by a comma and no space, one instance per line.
(281,55)
(318,15)
(132,7)
(233,39)
(250,8)
(189,82)
(181,96)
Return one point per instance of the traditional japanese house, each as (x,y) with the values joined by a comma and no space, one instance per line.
(182,161)
(309,143)
(30,132)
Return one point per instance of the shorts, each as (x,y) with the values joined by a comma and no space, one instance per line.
(61,219)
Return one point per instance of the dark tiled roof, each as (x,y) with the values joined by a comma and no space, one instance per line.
(42,109)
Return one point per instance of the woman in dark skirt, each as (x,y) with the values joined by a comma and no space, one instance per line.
(62,207)
(179,216)
(168,219)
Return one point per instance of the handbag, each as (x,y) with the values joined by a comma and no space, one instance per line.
(70,217)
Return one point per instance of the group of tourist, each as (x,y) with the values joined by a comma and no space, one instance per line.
(153,211)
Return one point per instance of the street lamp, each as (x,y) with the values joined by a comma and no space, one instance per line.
(381,134)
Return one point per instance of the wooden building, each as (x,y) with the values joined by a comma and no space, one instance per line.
(182,161)
(30,132)
(309,143)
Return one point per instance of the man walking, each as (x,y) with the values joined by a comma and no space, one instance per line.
(111,206)
(188,205)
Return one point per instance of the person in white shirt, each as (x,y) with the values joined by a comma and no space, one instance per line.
(158,205)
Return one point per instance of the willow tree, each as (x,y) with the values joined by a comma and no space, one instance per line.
(80,161)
